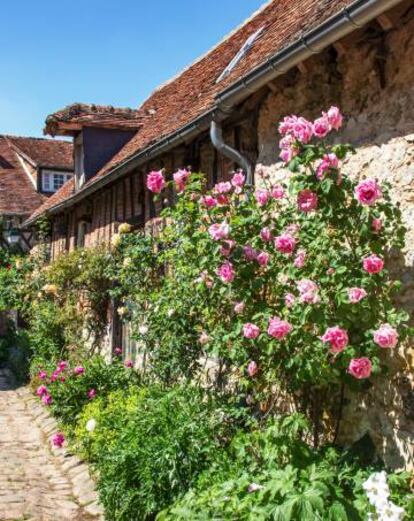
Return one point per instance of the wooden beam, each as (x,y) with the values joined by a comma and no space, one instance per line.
(386,21)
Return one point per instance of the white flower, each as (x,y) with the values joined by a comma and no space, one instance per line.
(90,425)
(116,240)
(254,487)
(127,262)
(143,330)
(124,228)
(390,512)
(204,338)
(122,311)
(377,489)
(170,312)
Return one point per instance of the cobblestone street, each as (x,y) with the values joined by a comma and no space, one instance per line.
(35,482)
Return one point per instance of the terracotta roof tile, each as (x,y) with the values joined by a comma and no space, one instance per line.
(58,197)
(45,152)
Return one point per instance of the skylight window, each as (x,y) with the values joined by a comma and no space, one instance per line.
(240,55)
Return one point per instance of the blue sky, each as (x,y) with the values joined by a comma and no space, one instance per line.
(56,52)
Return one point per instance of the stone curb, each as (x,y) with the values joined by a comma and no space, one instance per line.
(84,489)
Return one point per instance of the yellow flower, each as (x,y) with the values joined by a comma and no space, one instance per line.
(51,289)
(116,240)
(127,262)
(124,228)
(122,311)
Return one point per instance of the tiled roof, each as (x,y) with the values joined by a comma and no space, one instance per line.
(45,152)
(58,197)
(75,116)
(17,193)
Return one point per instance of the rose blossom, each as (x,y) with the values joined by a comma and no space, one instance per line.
(386,336)
(222,188)
(118,351)
(250,330)
(367,192)
(219,231)
(263,258)
(227,247)
(321,127)
(238,181)
(285,243)
(277,192)
(239,307)
(79,370)
(373,264)
(252,368)
(42,375)
(292,228)
(337,337)
(155,181)
(308,291)
(222,199)
(209,201)
(287,154)
(249,252)
(289,300)
(279,328)
(360,367)
(307,200)
(298,127)
(376,225)
(62,365)
(129,363)
(300,258)
(328,161)
(261,196)
(41,390)
(334,117)
(356,294)
(226,272)
(91,394)
(265,234)
(204,338)
(58,440)
(180,178)
(47,399)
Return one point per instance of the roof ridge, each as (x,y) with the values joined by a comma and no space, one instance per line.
(11,136)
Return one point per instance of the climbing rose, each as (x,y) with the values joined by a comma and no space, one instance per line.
(285,243)
(373,264)
(129,363)
(91,394)
(238,181)
(277,192)
(227,247)
(334,117)
(356,294)
(289,300)
(279,328)
(300,258)
(41,390)
(360,367)
(209,201)
(263,258)
(328,161)
(222,199)
(337,337)
(261,196)
(42,375)
(321,127)
(180,178)
(249,252)
(266,234)
(219,231)
(307,200)
(118,351)
(204,338)
(386,336)
(226,272)
(239,307)
(252,368)
(367,192)
(223,188)
(308,291)
(79,370)
(155,181)
(62,365)
(47,399)
(58,440)
(299,128)
(376,225)
(250,330)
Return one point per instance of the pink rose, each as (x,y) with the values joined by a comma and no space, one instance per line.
(250,330)
(62,365)
(334,117)
(219,231)
(41,390)
(263,258)
(321,127)
(79,370)
(360,367)
(91,394)
(129,363)
(222,188)
(58,440)
(376,225)
(285,243)
(249,252)
(300,258)
(386,336)
(222,199)
(287,154)
(356,294)
(367,192)
(42,375)
(300,128)
(329,161)
(289,300)
(309,291)
(180,178)
(292,229)
(337,337)
(373,264)
(265,234)
(209,201)
(252,368)
(47,399)
(307,200)
(155,181)
(226,272)
(277,192)
(261,196)
(239,307)
(118,351)
(204,277)
(238,180)
(279,328)
(227,247)
(204,338)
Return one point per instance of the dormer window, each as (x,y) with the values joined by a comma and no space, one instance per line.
(52,180)
(79,161)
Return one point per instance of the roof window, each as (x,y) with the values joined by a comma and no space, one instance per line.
(240,55)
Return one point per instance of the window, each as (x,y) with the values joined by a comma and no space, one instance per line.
(52,181)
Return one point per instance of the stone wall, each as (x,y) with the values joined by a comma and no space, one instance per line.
(372,81)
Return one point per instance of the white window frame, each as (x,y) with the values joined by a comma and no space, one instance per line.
(79,161)
(53,180)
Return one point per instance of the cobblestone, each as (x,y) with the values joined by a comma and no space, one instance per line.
(35,483)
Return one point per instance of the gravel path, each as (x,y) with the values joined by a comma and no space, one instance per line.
(36,482)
